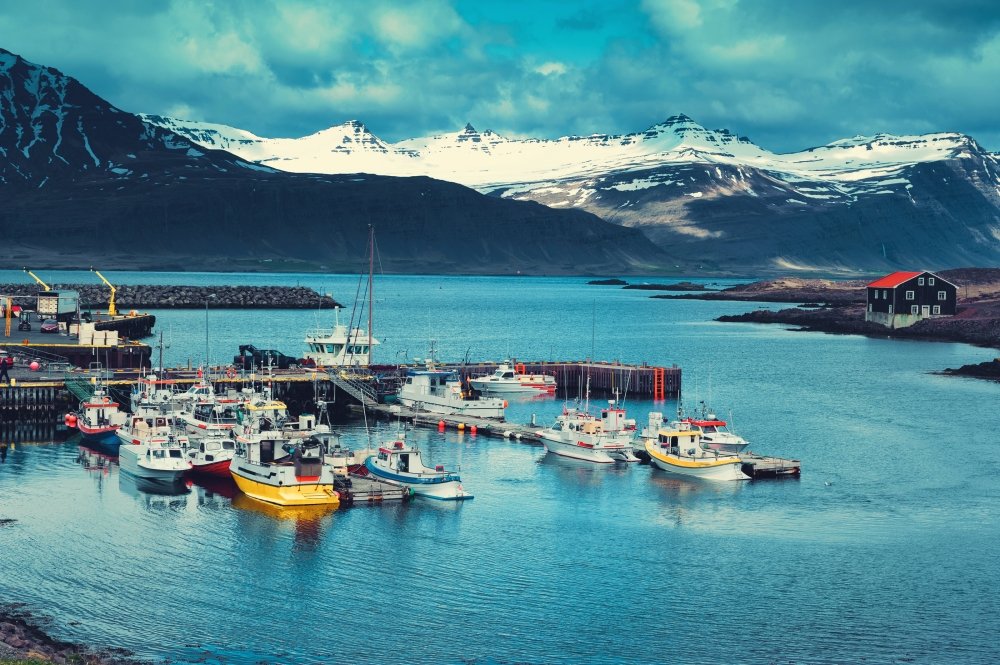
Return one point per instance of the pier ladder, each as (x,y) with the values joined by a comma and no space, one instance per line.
(659,388)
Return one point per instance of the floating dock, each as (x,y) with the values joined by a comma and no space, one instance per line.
(759,466)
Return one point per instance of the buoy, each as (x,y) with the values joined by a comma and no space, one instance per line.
(461,426)
(34,366)
(71,419)
(472,429)
(507,434)
(505,404)
(440,424)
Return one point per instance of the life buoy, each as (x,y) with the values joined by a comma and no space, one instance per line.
(231,372)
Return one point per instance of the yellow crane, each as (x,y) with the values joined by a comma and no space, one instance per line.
(111,302)
(40,282)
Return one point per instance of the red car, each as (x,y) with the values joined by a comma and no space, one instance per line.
(50,326)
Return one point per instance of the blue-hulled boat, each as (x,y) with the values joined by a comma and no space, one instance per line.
(399,463)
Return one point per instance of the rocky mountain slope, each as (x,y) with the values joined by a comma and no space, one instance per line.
(717,201)
(85,183)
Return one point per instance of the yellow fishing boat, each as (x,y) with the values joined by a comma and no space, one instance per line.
(284,472)
(679,449)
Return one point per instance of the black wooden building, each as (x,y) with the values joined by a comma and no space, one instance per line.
(903,298)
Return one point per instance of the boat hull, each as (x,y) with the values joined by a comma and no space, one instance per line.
(132,460)
(446,487)
(288,494)
(728,469)
(503,388)
(218,469)
(104,438)
(470,408)
(574,450)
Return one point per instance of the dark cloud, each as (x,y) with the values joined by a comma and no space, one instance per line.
(788,74)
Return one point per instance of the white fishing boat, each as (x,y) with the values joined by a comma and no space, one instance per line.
(678,449)
(513,379)
(99,418)
(346,345)
(211,454)
(441,391)
(160,457)
(715,433)
(152,395)
(401,463)
(210,414)
(283,472)
(582,435)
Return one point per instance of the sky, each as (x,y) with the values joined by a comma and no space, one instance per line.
(789,74)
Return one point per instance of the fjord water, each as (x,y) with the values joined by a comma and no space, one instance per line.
(883,551)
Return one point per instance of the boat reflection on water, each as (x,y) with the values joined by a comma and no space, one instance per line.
(213,490)
(98,465)
(155,494)
(580,472)
(307,520)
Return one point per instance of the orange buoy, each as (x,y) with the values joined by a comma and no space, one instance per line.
(440,424)
(505,404)
(472,429)
(461,426)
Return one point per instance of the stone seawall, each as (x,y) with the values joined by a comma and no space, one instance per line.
(147,296)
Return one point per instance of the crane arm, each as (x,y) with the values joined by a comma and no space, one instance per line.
(112,311)
(40,282)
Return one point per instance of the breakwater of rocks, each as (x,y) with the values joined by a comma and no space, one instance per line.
(150,296)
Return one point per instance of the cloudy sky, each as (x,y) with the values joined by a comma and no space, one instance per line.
(789,74)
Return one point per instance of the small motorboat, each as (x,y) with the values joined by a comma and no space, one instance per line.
(211,454)
(678,449)
(284,472)
(160,457)
(99,419)
(582,435)
(513,379)
(715,433)
(441,391)
(400,463)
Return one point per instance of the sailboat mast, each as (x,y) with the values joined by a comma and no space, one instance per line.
(371,286)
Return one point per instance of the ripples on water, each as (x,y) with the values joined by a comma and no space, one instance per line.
(884,551)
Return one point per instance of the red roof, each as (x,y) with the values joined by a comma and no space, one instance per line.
(893,280)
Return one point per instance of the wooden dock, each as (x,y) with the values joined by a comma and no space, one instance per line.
(470,424)
(759,466)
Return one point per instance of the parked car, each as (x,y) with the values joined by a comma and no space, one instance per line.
(50,326)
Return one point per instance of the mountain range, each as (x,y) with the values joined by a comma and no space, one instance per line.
(715,201)
(86,183)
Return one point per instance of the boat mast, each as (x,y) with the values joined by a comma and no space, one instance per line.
(371,286)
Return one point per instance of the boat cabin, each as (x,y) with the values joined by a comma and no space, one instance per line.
(215,414)
(212,446)
(680,442)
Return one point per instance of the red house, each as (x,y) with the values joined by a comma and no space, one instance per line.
(903,298)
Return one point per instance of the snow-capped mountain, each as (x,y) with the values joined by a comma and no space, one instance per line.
(863,203)
(87,183)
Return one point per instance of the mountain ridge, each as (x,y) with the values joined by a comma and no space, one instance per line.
(88,183)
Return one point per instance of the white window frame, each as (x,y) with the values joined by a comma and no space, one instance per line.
(930,281)
(936,309)
(870,307)
(942,295)
(890,309)
(920,281)
(885,294)
(914,309)
(910,295)
(876,294)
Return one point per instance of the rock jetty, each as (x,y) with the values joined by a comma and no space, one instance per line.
(148,296)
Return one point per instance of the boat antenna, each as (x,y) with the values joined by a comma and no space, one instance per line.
(371,286)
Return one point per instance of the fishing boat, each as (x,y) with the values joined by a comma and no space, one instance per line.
(98,419)
(401,463)
(715,433)
(211,414)
(513,379)
(211,454)
(582,435)
(152,395)
(286,473)
(678,449)
(146,428)
(441,391)
(346,345)
(160,457)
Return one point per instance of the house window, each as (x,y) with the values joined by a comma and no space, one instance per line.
(930,281)
(914,309)
(942,295)
(876,294)
(870,307)
(920,281)
(885,294)
(909,295)
(890,309)
(936,309)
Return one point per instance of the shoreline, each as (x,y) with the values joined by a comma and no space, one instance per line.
(24,636)
(153,296)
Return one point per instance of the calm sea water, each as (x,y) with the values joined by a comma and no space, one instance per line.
(884,551)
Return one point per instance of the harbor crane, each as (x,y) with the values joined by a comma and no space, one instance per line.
(112,311)
(37,279)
